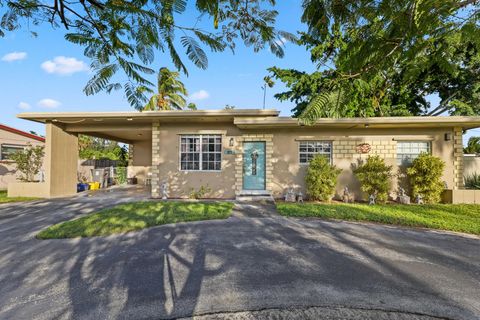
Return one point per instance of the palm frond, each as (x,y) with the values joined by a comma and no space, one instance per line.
(194,52)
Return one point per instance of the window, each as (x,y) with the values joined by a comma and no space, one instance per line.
(201,152)
(309,149)
(7,150)
(409,150)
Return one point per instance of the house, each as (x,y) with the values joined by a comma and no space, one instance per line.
(11,141)
(244,152)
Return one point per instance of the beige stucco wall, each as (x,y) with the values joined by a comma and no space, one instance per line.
(28,189)
(284,160)
(180,183)
(471,165)
(61,161)
(288,172)
(141,160)
(8,173)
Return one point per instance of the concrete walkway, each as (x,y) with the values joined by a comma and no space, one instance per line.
(255,260)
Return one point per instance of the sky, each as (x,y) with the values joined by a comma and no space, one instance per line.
(47,73)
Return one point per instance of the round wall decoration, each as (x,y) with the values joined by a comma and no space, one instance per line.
(364,148)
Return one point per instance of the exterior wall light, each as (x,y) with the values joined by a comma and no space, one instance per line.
(231,142)
(129,119)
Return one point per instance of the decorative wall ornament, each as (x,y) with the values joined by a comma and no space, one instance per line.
(164,190)
(290,195)
(254,156)
(364,148)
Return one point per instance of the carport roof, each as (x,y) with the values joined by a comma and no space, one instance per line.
(147,116)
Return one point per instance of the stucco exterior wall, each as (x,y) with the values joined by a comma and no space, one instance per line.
(166,160)
(471,165)
(141,160)
(283,160)
(8,173)
(288,172)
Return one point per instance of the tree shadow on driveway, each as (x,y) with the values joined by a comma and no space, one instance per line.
(230,265)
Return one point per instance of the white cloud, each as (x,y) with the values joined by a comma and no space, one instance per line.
(14,56)
(64,65)
(24,106)
(200,95)
(49,103)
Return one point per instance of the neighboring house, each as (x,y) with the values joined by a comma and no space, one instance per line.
(12,140)
(246,152)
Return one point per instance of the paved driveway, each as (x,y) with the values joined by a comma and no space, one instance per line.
(247,262)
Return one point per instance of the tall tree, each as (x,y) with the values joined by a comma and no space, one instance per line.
(171,92)
(473,146)
(123,36)
(385,57)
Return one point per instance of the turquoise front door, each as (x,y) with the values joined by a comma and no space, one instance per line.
(254,165)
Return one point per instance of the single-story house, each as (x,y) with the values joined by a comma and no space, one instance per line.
(11,141)
(245,151)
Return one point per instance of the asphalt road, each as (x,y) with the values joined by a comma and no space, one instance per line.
(255,260)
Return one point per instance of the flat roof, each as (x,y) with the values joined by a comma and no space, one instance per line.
(373,122)
(148,116)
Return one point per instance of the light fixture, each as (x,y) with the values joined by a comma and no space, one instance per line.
(54,120)
(129,119)
(231,142)
(140,134)
(367,125)
(448,136)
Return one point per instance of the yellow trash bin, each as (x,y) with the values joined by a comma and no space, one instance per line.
(94,185)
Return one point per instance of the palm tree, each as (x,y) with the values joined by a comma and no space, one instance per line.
(171,92)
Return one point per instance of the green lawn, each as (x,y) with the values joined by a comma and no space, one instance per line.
(5,199)
(461,218)
(135,216)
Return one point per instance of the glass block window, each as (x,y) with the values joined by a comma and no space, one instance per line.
(409,150)
(309,149)
(201,152)
(7,150)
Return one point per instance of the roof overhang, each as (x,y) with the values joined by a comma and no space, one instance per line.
(352,123)
(146,116)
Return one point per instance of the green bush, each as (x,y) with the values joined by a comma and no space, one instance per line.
(472,181)
(425,177)
(374,176)
(121,175)
(200,193)
(28,162)
(321,179)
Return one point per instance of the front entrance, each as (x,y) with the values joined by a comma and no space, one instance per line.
(254,165)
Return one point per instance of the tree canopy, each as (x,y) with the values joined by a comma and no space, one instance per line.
(386,57)
(121,38)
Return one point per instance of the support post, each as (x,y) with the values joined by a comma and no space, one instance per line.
(61,161)
(156,160)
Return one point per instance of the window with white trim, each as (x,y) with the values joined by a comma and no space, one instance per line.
(201,152)
(7,150)
(309,149)
(407,151)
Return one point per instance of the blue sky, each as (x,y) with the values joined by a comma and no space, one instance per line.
(47,73)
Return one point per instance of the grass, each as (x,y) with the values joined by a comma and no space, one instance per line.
(135,216)
(5,199)
(460,218)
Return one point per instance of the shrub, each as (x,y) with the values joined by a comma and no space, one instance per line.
(473,181)
(28,162)
(425,177)
(374,176)
(321,179)
(200,193)
(121,175)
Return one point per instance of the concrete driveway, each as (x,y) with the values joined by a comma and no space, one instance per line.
(252,261)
